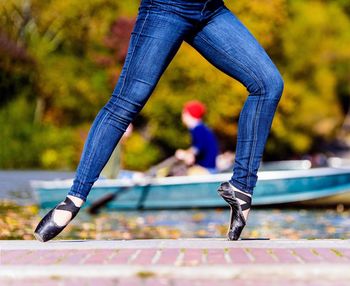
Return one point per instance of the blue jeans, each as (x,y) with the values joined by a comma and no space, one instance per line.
(217,34)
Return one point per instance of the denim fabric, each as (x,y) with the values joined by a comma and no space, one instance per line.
(216,33)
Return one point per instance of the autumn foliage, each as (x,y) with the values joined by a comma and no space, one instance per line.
(59,62)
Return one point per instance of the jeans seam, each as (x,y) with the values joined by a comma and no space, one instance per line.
(133,51)
(205,6)
(91,155)
(255,131)
(261,85)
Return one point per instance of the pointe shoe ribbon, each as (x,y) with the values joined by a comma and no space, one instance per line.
(237,220)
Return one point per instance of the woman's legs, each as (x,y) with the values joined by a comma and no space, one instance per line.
(228,45)
(157,35)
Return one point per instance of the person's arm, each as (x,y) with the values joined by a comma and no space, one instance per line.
(188,156)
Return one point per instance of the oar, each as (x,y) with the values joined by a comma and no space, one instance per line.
(151,173)
(99,203)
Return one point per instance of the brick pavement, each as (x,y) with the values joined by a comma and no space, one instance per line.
(175,262)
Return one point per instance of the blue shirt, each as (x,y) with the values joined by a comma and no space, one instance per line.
(205,144)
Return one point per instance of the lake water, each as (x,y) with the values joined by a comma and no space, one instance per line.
(292,223)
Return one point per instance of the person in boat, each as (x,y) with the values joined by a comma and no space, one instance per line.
(216,33)
(201,156)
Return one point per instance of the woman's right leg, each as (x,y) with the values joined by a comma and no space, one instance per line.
(156,37)
(225,42)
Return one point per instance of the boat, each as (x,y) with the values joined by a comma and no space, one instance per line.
(311,187)
(338,162)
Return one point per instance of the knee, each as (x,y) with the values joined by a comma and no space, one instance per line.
(120,113)
(274,84)
(268,83)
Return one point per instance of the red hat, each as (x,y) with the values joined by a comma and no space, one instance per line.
(195,108)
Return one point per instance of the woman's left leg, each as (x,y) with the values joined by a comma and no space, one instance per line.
(227,44)
(155,39)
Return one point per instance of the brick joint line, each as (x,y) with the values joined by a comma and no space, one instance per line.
(204,257)
(227,256)
(156,256)
(134,256)
(247,251)
(180,258)
(296,256)
(271,253)
(112,256)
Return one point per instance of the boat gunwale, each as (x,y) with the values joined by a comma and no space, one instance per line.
(179,180)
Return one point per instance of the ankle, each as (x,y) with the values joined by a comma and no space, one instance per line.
(238,190)
(245,203)
(246,214)
(78,202)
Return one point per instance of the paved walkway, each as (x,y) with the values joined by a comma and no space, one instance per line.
(195,262)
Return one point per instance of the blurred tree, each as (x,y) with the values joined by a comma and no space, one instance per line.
(15,69)
(59,79)
(315,65)
(59,61)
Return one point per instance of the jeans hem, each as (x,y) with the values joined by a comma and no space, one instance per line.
(78,195)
